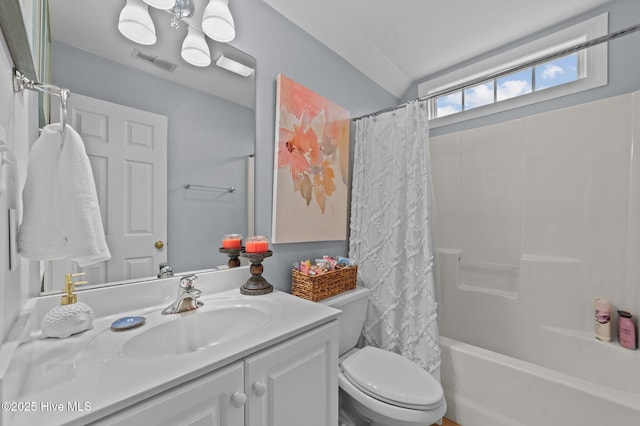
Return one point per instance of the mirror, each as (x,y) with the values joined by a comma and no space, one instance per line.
(210,130)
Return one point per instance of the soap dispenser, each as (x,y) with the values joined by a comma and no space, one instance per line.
(71,316)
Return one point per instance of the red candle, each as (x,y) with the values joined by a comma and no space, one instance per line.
(256,245)
(232,241)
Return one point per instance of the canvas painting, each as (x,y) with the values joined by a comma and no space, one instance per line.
(311,167)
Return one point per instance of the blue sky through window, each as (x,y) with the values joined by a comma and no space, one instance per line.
(549,74)
(479,95)
(557,72)
(449,104)
(515,84)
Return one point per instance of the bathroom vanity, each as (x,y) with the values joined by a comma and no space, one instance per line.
(277,386)
(237,360)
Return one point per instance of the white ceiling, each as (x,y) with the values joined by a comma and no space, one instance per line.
(398,42)
(392,42)
(91,25)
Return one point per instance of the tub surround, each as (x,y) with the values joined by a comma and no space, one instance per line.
(99,367)
(525,394)
(536,218)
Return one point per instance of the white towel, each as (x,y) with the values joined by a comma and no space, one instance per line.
(40,236)
(81,219)
(61,212)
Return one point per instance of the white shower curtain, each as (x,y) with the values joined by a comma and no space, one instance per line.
(391,233)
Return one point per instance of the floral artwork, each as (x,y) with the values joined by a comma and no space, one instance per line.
(311,166)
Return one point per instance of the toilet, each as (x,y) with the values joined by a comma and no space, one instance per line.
(378,387)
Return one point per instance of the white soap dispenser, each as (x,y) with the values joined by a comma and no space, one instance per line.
(71,316)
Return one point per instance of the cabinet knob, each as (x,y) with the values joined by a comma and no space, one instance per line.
(259,388)
(238,399)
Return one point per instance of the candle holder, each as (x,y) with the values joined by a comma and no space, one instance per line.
(256,285)
(233,254)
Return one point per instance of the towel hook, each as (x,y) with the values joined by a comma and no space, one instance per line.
(21,82)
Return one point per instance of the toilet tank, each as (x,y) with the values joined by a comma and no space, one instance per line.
(353,304)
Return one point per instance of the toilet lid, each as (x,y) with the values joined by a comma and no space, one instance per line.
(391,378)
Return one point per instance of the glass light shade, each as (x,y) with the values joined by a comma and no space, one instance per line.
(160,4)
(217,21)
(195,49)
(135,23)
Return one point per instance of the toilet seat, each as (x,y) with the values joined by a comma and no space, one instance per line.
(391,378)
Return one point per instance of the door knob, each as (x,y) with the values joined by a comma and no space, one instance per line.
(159,244)
(238,399)
(259,388)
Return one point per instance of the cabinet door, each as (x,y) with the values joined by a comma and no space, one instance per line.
(296,382)
(216,399)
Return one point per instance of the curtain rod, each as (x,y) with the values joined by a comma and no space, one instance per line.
(562,52)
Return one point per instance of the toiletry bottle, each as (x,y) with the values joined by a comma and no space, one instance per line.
(626,330)
(71,316)
(603,320)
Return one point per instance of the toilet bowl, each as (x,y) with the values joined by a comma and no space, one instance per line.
(378,387)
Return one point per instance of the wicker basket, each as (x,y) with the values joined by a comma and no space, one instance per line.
(320,287)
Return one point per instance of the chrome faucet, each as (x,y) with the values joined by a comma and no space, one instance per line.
(187,296)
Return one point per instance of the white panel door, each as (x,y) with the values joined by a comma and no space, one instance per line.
(213,400)
(296,382)
(127,148)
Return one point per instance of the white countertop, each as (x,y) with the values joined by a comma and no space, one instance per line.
(91,372)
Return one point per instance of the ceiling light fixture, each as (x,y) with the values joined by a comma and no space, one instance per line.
(217,21)
(182,9)
(233,66)
(135,24)
(195,49)
(160,4)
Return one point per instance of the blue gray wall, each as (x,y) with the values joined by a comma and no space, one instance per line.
(279,47)
(624,67)
(209,140)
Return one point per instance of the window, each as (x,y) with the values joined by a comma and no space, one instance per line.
(516,84)
(561,76)
(559,71)
(550,74)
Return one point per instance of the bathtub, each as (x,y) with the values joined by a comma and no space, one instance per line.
(577,381)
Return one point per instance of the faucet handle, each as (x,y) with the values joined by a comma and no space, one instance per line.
(187,282)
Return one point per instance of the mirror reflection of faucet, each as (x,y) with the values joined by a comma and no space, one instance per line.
(166,270)
(187,296)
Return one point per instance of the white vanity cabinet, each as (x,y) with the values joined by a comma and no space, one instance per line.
(204,401)
(292,383)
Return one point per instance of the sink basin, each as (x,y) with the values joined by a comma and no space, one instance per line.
(195,330)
